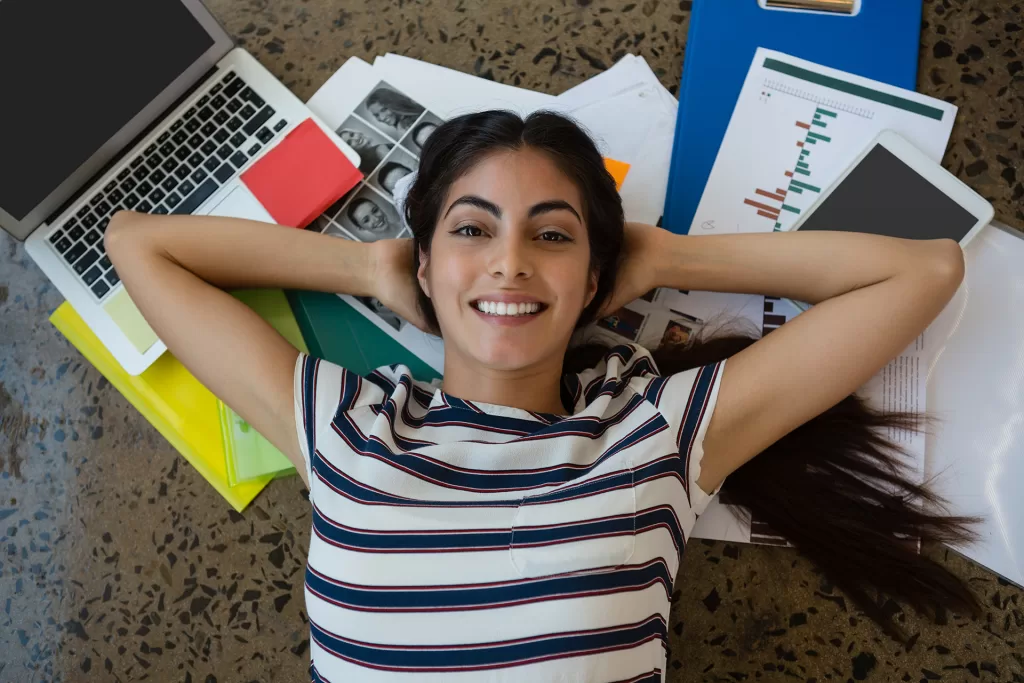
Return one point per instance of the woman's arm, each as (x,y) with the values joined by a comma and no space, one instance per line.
(874,295)
(175,267)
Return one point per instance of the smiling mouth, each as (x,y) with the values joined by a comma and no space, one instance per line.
(509,310)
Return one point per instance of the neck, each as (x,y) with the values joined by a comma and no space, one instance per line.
(537,388)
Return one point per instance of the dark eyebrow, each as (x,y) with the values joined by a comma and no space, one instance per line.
(478,202)
(553,205)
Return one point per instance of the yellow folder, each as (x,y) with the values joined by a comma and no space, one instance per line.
(184,411)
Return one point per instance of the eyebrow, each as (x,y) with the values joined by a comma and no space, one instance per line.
(495,210)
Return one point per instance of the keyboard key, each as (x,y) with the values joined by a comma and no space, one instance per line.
(89,221)
(173,200)
(159,211)
(63,245)
(239,159)
(55,237)
(207,130)
(75,232)
(218,101)
(102,225)
(167,149)
(104,263)
(93,275)
(182,171)
(216,89)
(156,176)
(185,187)
(144,207)
(196,199)
(163,137)
(112,278)
(253,125)
(170,163)
(110,186)
(196,159)
(203,101)
(220,117)
(247,111)
(176,125)
(96,199)
(128,185)
(154,161)
(83,264)
(100,288)
(255,148)
(157,195)
(199,176)
(220,136)
(115,196)
(264,135)
(234,105)
(255,99)
(228,77)
(208,148)
(134,164)
(170,183)
(100,247)
(182,153)
(211,164)
(72,254)
(144,188)
(149,150)
(82,211)
(180,137)
(102,209)
(92,237)
(141,172)
(189,114)
(237,139)
(234,124)
(279,125)
(205,113)
(193,125)
(233,88)
(131,200)
(224,152)
(70,223)
(224,173)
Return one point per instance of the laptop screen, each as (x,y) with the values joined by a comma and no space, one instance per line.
(73,74)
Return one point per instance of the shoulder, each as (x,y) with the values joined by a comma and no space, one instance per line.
(621,367)
(324,384)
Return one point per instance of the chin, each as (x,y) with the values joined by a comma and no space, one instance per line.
(504,355)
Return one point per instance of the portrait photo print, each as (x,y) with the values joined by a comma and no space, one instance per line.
(389,110)
(369,216)
(371,145)
(624,322)
(418,134)
(382,312)
(396,166)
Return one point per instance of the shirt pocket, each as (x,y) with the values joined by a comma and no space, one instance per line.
(590,531)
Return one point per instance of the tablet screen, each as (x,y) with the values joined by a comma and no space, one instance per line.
(884,196)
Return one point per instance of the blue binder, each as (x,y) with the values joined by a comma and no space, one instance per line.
(880,43)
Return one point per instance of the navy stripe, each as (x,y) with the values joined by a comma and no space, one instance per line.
(314,675)
(443,474)
(694,416)
(652,676)
(459,597)
(309,377)
(477,657)
(481,540)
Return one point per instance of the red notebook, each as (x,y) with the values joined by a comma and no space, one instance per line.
(303,175)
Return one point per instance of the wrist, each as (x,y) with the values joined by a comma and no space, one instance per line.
(666,254)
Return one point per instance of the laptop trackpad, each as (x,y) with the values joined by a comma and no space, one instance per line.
(128,318)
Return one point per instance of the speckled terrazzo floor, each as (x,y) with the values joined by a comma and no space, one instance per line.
(118,563)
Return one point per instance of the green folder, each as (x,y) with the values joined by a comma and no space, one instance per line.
(335,331)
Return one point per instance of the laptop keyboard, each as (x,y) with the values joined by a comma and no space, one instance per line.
(198,152)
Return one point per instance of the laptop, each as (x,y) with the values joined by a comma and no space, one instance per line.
(121,104)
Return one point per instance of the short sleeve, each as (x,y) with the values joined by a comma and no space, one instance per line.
(687,401)
(321,390)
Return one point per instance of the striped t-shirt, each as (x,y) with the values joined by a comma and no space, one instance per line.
(462,541)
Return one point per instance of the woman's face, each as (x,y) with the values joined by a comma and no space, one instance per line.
(369,217)
(382,113)
(510,231)
(354,139)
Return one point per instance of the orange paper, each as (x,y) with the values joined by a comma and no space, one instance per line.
(618,169)
(303,175)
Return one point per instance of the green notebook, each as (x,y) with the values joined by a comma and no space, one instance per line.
(335,331)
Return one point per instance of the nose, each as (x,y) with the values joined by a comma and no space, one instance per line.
(509,259)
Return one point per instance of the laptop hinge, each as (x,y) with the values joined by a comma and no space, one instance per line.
(131,145)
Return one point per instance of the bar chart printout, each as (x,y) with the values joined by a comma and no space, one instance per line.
(771,203)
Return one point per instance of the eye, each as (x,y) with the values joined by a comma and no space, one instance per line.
(554,236)
(468,231)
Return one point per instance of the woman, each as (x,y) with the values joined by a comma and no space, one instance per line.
(390,173)
(392,109)
(371,152)
(525,520)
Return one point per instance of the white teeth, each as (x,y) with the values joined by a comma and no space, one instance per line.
(502,308)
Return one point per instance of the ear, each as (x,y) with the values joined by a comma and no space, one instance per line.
(591,288)
(421,273)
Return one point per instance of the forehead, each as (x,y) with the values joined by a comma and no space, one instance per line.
(516,179)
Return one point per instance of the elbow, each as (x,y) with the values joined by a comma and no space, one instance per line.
(944,265)
(121,232)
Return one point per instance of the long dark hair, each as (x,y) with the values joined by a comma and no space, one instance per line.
(835,488)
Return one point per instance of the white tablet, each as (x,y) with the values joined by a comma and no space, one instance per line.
(893,189)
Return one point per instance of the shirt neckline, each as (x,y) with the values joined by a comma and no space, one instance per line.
(442,399)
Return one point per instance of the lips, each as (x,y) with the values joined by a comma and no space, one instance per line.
(508,308)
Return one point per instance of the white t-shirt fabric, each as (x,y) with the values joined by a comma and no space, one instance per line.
(461,541)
